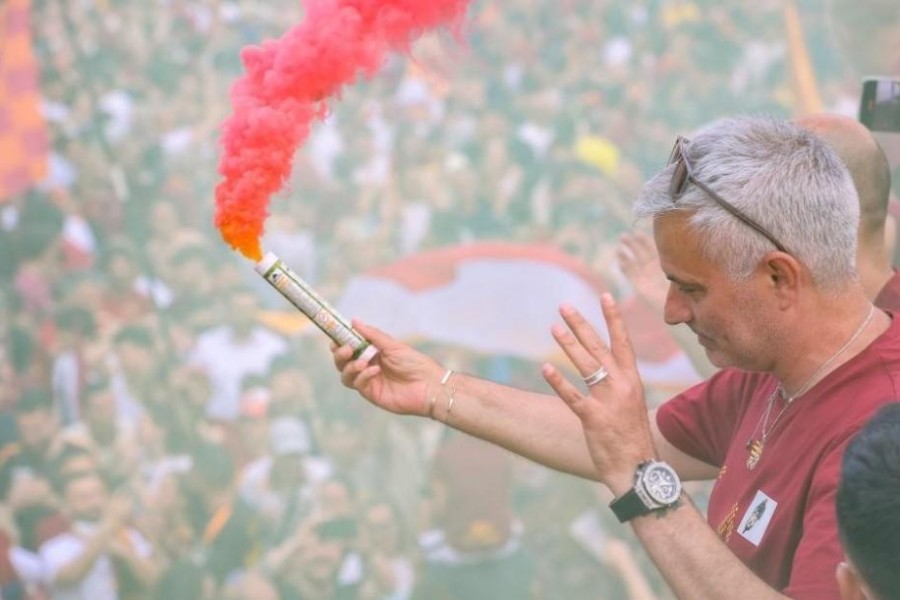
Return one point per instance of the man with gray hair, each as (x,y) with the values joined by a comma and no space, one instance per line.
(756,223)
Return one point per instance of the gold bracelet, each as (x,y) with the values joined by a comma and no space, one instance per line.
(450,400)
(433,402)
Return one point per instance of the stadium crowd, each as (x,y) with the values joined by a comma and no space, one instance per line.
(163,434)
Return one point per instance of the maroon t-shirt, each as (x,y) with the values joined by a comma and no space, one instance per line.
(779,518)
(889,296)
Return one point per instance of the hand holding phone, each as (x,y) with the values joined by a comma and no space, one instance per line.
(879,108)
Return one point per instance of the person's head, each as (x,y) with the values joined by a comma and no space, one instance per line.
(75,323)
(319,558)
(250,586)
(292,390)
(135,348)
(243,307)
(120,264)
(190,386)
(786,239)
(868,165)
(72,461)
(36,421)
(336,497)
(191,269)
(185,581)
(342,435)
(289,444)
(100,411)
(212,472)
(85,496)
(380,527)
(868,510)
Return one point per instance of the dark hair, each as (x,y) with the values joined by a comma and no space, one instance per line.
(58,478)
(181,581)
(76,319)
(213,468)
(33,400)
(284,362)
(66,480)
(135,334)
(95,386)
(341,528)
(868,502)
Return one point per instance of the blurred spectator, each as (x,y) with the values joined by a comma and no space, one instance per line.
(185,581)
(474,549)
(134,370)
(251,586)
(111,440)
(226,526)
(101,557)
(281,485)
(230,352)
(314,567)
(390,572)
(74,327)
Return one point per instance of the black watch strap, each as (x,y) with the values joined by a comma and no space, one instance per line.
(628,506)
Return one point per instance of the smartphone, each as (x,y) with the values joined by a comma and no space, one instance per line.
(879,107)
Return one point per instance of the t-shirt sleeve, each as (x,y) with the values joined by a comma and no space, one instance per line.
(702,420)
(819,550)
(58,552)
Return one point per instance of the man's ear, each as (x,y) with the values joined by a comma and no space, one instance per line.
(849,583)
(784,274)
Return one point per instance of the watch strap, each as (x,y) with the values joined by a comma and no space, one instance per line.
(628,506)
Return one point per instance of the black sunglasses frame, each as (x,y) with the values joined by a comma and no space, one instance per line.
(684,173)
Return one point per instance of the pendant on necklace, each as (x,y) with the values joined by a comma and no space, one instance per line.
(756,450)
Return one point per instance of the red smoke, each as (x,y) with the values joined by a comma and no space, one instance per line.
(286,86)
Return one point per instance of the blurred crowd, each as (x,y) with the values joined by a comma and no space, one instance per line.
(162,436)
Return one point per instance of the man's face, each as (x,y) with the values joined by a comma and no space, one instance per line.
(36,428)
(86,498)
(135,358)
(243,308)
(101,410)
(730,318)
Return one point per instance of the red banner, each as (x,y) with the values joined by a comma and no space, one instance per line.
(24,142)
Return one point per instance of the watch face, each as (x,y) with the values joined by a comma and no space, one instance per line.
(661,483)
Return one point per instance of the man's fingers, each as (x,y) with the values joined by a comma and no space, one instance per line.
(645,247)
(585,333)
(380,339)
(350,371)
(625,258)
(341,356)
(572,396)
(619,342)
(640,245)
(583,360)
(365,376)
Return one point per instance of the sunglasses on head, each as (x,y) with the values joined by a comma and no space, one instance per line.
(684,173)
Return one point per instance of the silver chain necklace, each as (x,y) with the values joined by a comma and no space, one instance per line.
(756,446)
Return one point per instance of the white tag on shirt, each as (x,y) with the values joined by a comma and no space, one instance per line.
(757,518)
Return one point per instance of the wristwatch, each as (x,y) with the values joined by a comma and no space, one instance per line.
(656,487)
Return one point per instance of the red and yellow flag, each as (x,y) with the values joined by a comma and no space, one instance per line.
(24,142)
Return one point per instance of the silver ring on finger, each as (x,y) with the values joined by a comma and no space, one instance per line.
(596,377)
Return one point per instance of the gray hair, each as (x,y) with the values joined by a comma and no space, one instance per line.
(781,176)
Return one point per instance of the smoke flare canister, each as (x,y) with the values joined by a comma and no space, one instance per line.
(301,295)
